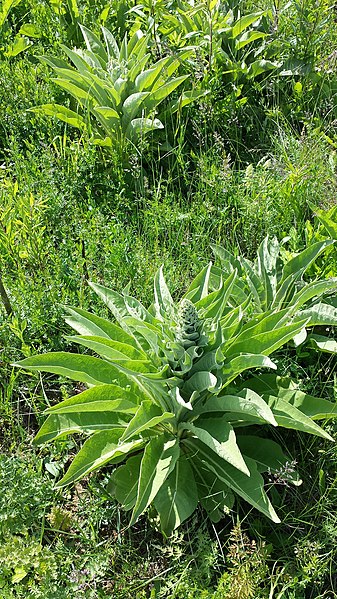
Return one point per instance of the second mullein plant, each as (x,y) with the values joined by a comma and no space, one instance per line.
(172,407)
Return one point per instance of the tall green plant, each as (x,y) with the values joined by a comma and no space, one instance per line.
(167,403)
(117,90)
(274,286)
(68,13)
(219,33)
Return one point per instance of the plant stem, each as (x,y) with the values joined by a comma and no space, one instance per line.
(5,298)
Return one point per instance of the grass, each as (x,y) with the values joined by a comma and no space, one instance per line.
(69,214)
(77,542)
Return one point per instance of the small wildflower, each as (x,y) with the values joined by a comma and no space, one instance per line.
(284,474)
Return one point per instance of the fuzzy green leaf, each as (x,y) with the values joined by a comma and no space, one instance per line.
(313,290)
(235,366)
(85,98)
(113,350)
(198,289)
(177,498)
(58,425)
(102,398)
(123,483)
(214,304)
(215,497)
(246,405)
(269,457)
(122,306)
(77,367)
(101,448)
(289,416)
(250,488)
(64,114)
(86,323)
(320,314)
(164,304)
(159,459)
(93,43)
(267,342)
(133,103)
(110,44)
(323,343)
(147,416)
(220,437)
(141,126)
(313,407)
(200,381)
(299,264)
(244,22)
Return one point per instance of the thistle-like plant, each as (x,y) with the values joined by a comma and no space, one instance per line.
(116,89)
(167,404)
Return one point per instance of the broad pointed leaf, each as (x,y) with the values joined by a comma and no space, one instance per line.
(110,44)
(303,260)
(86,323)
(122,305)
(64,114)
(123,483)
(289,416)
(101,398)
(113,350)
(198,289)
(159,459)
(320,314)
(235,366)
(77,367)
(146,79)
(147,416)
(109,118)
(313,407)
(58,425)
(313,290)
(100,449)
(177,498)
(214,309)
(164,304)
(214,495)
(93,43)
(269,457)
(244,22)
(200,381)
(220,437)
(269,341)
(323,343)
(250,488)
(247,404)
(133,103)
(84,98)
(141,126)
(160,93)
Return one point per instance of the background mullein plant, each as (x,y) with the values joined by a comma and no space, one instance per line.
(117,88)
(168,402)
(273,285)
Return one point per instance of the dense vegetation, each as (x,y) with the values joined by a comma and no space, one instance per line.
(169,132)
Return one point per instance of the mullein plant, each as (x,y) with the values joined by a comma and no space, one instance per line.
(118,89)
(171,406)
(275,286)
